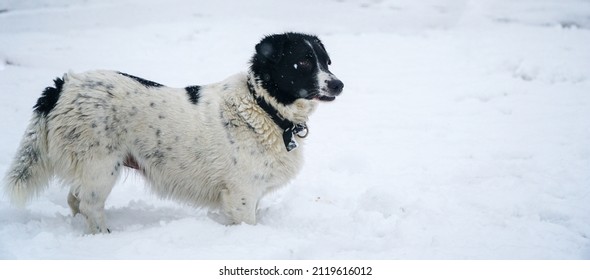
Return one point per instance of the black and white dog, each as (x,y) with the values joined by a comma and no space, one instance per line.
(221,146)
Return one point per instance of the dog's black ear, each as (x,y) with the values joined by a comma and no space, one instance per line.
(271,47)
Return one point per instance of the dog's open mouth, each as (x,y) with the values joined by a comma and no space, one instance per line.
(325,98)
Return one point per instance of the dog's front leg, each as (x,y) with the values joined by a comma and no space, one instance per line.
(239,205)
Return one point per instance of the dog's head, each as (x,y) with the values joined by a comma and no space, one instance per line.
(291,66)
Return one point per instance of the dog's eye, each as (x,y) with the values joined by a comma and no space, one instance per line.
(303,64)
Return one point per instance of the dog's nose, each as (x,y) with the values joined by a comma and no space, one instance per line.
(335,86)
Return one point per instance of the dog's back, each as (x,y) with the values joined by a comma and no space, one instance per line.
(86,127)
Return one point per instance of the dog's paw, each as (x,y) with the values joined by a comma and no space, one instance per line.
(93,229)
(220,218)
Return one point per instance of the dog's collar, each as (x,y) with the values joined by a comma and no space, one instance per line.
(289,128)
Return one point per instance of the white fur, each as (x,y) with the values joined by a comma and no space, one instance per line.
(223,152)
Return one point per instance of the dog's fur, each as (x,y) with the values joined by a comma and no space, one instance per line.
(220,146)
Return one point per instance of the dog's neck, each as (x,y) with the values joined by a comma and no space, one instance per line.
(290,118)
(297,112)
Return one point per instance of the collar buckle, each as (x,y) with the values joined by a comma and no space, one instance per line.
(301,130)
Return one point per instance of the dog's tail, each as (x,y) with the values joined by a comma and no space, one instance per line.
(31,168)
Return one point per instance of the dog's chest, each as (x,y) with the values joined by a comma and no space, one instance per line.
(262,159)
(258,152)
(255,144)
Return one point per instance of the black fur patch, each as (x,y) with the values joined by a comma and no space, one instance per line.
(193,93)
(49,98)
(144,82)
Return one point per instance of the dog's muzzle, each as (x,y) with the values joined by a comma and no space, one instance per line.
(330,89)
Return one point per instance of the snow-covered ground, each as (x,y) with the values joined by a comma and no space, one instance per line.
(463,131)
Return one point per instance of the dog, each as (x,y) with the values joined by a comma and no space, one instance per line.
(220,146)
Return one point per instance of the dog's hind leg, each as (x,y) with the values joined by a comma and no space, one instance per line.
(73,202)
(92,190)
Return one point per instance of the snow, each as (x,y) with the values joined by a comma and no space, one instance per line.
(462,132)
